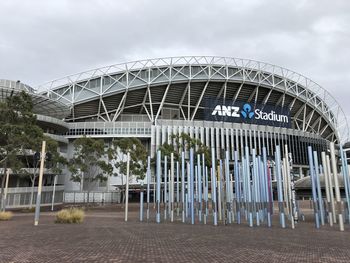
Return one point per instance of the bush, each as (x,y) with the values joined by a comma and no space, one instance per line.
(70,215)
(5,216)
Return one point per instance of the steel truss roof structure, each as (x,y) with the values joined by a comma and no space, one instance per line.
(181,83)
(41,104)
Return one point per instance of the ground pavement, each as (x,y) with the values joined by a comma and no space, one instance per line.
(105,237)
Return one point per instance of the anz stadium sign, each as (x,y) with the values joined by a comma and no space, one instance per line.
(250,113)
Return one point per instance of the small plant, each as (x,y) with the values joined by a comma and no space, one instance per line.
(5,216)
(70,215)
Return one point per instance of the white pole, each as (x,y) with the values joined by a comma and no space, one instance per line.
(53,191)
(172,187)
(326,180)
(328,162)
(336,183)
(41,173)
(127,187)
(6,187)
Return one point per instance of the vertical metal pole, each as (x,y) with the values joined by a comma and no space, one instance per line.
(53,192)
(165,199)
(141,202)
(199,167)
(255,187)
(148,184)
(172,187)
(314,195)
(177,189)
(213,186)
(331,193)
(127,187)
(267,182)
(249,190)
(238,188)
(336,185)
(219,189)
(326,180)
(6,189)
(345,178)
(41,174)
(158,185)
(183,190)
(228,188)
(279,186)
(319,190)
(192,185)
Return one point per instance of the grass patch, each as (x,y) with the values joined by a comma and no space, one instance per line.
(5,216)
(70,215)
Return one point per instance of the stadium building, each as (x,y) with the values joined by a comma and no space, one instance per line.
(227,103)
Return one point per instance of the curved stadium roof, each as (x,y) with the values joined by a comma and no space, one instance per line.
(42,105)
(149,86)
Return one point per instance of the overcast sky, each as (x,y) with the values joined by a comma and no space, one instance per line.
(44,40)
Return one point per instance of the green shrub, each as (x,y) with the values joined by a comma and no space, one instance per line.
(70,215)
(5,216)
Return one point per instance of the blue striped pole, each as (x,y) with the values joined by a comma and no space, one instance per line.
(279,186)
(314,195)
(267,181)
(158,185)
(247,171)
(319,190)
(255,187)
(141,202)
(192,186)
(183,190)
(177,189)
(238,188)
(199,167)
(148,184)
(345,173)
(213,187)
(165,200)
(228,188)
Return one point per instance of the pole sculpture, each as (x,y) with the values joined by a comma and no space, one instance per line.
(171,187)
(326,180)
(183,185)
(346,179)
(141,202)
(319,190)
(41,173)
(192,186)
(158,185)
(313,181)
(127,187)
(237,188)
(53,191)
(6,189)
(279,187)
(148,184)
(213,186)
(199,167)
(165,199)
(336,184)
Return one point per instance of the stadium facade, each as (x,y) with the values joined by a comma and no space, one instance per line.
(227,103)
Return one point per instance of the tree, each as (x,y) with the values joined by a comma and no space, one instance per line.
(31,152)
(88,165)
(17,123)
(138,158)
(183,142)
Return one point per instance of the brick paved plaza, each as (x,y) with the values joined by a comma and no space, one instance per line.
(105,237)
